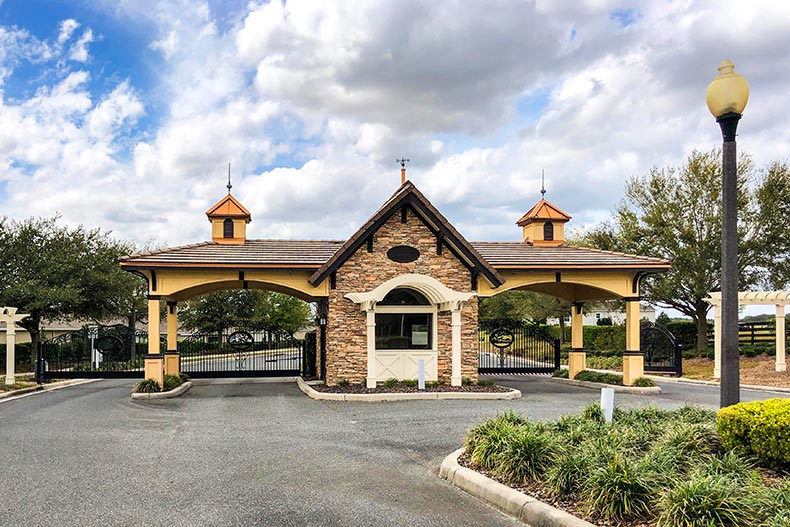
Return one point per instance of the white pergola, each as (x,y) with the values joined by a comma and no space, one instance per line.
(780,299)
(9,317)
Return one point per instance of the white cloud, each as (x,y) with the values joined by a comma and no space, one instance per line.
(79,51)
(338,91)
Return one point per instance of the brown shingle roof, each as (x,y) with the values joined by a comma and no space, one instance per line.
(253,253)
(519,255)
(543,210)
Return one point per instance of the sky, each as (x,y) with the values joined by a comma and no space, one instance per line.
(124,114)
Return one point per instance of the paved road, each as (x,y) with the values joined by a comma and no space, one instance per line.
(249,452)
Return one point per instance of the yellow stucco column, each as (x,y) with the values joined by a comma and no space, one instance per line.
(633,359)
(172,357)
(154,365)
(577,357)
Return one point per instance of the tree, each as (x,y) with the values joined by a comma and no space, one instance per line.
(675,213)
(773,238)
(249,308)
(52,272)
(525,305)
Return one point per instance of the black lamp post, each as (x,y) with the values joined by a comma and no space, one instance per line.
(726,97)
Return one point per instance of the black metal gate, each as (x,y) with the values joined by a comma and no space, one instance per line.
(95,351)
(661,349)
(514,346)
(237,352)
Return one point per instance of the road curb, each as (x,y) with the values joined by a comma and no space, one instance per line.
(649,390)
(386,397)
(175,392)
(520,506)
(42,388)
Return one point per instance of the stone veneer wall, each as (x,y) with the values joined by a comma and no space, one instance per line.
(346,354)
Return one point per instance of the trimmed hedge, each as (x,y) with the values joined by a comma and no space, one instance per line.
(760,429)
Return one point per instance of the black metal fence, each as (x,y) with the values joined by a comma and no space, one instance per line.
(661,350)
(97,351)
(514,346)
(239,352)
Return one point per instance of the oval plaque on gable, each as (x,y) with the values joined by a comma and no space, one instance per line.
(403,254)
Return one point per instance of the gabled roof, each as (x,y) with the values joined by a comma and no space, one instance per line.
(408,196)
(519,255)
(229,207)
(543,210)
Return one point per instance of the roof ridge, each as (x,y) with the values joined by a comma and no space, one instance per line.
(617,253)
(166,249)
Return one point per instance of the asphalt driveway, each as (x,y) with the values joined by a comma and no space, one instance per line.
(248,452)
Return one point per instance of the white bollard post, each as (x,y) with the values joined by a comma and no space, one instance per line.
(421,374)
(607,403)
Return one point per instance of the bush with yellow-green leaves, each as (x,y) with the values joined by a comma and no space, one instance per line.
(760,429)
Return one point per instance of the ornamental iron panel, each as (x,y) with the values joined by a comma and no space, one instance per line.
(115,351)
(239,352)
(515,346)
(660,348)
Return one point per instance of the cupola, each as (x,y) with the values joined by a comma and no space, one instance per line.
(229,221)
(543,225)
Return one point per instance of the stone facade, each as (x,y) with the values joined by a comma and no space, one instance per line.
(346,354)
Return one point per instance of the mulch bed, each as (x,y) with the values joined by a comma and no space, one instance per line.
(361,388)
(568,504)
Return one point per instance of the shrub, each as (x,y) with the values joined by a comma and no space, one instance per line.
(171,382)
(491,442)
(147,386)
(344,382)
(760,429)
(486,382)
(603,378)
(620,490)
(527,454)
(433,384)
(644,382)
(392,382)
(466,381)
(561,373)
(411,383)
(184,377)
(703,501)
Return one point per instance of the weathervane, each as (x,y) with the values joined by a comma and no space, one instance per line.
(229,185)
(542,183)
(402,162)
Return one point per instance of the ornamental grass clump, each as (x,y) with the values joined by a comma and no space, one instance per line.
(526,454)
(620,490)
(708,500)
(147,386)
(171,382)
(568,473)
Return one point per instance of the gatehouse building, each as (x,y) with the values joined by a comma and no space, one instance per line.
(402,290)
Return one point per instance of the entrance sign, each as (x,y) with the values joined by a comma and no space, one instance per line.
(501,338)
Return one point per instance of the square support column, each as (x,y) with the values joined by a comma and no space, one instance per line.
(455,377)
(371,327)
(154,361)
(781,365)
(577,357)
(172,357)
(10,359)
(633,359)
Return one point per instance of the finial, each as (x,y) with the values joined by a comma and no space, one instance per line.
(229,185)
(542,183)
(402,162)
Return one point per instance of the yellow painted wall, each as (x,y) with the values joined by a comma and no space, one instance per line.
(218,230)
(534,231)
(177,284)
(575,286)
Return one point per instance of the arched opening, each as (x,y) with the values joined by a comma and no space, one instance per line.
(227,228)
(548,231)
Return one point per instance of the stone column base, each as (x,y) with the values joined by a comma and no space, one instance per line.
(633,367)
(455,381)
(172,363)
(781,366)
(577,361)
(371,382)
(154,367)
